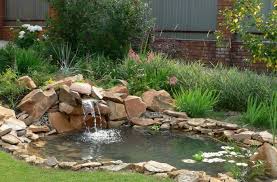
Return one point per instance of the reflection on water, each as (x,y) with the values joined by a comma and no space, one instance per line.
(130,145)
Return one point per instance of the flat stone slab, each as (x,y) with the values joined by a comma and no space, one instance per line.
(157,167)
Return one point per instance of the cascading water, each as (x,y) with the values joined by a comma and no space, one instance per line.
(99,135)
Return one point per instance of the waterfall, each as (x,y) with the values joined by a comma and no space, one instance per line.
(90,107)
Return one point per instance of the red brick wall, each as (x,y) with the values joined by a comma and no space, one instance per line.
(2,16)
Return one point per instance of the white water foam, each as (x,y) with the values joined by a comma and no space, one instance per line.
(103,136)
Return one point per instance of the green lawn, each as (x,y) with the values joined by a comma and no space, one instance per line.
(14,170)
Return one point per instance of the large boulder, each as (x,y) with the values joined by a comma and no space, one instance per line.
(6,113)
(268,154)
(68,109)
(11,139)
(263,136)
(119,89)
(60,122)
(27,82)
(66,81)
(14,124)
(68,96)
(81,88)
(158,100)
(36,103)
(143,121)
(118,111)
(157,167)
(134,106)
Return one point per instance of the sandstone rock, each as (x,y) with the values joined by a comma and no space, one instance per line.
(158,100)
(21,133)
(31,159)
(104,109)
(39,129)
(9,147)
(37,102)
(119,89)
(228,134)
(268,154)
(138,167)
(85,165)
(156,167)
(70,110)
(243,135)
(263,136)
(143,121)
(77,122)
(81,88)
(67,96)
(161,175)
(11,139)
(116,124)
(196,122)
(165,126)
(4,130)
(109,162)
(108,96)
(118,111)
(39,144)
(176,114)
(67,165)
(116,168)
(51,161)
(22,116)
(188,176)
(227,126)
(66,81)
(97,93)
(15,124)
(153,115)
(252,142)
(60,122)
(134,106)
(6,113)
(27,82)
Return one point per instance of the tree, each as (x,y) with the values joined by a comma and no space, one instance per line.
(257,30)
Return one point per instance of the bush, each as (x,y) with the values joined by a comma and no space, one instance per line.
(196,103)
(10,91)
(7,57)
(27,36)
(101,26)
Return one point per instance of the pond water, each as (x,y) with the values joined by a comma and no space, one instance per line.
(133,145)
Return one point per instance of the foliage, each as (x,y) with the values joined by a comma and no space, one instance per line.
(64,57)
(10,91)
(262,113)
(155,128)
(273,115)
(15,170)
(7,57)
(27,35)
(101,26)
(234,86)
(246,18)
(256,112)
(196,103)
(198,156)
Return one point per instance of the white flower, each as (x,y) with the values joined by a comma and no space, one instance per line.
(227,148)
(189,161)
(231,161)
(242,164)
(212,154)
(21,36)
(214,160)
(35,28)
(38,28)
(233,153)
(21,33)
(26,26)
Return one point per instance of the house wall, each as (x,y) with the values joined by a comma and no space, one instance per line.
(205,50)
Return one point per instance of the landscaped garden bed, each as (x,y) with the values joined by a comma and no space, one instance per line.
(80,98)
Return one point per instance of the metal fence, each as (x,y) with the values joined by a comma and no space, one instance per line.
(26,10)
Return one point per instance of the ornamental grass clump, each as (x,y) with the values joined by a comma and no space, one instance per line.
(197,102)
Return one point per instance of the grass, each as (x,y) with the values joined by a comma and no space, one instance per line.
(13,170)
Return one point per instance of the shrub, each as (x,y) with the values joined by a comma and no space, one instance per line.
(7,57)
(256,112)
(27,35)
(247,15)
(196,103)
(10,91)
(27,60)
(101,26)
